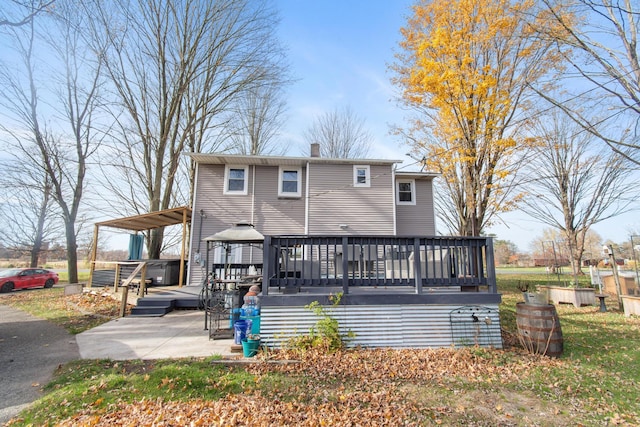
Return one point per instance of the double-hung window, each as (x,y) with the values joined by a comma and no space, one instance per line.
(235,179)
(406,192)
(361,176)
(289,182)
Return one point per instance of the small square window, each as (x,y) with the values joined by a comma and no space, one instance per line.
(289,182)
(235,181)
(406,192)
(361,176)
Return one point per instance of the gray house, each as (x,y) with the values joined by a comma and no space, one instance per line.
(359,227)
(307,196)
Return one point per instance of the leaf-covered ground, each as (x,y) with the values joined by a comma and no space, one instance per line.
(471,387)
(594,384)
(76,313)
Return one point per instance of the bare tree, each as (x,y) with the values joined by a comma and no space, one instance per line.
(27,212)
(27,10)
(574,184)
(59,151)
(341,134)
(257,119)
(607,60)
(176,67)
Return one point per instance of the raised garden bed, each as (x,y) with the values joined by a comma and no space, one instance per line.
(631,305)
(576,296)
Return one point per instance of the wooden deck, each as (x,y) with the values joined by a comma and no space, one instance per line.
(401,292)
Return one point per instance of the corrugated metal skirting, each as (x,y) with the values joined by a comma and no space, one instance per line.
(393,326)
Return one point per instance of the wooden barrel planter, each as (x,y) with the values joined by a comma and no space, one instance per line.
(539,329)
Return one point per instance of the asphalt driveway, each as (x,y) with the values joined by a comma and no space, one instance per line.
(30,351)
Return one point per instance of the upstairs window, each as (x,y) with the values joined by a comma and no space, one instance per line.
(361,176)
(290,183)
(235,179)
(406,192)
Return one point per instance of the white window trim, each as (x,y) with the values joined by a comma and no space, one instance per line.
(281,193)
(244,191)
(413,191)
(367,168)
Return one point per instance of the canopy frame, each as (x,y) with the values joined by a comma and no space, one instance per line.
(241,233)
(144,222)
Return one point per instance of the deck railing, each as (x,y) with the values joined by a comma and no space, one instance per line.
(453,263)
(236,271)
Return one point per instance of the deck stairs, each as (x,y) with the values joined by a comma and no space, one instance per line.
(157,304)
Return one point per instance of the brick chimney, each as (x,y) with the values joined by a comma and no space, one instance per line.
(315,149)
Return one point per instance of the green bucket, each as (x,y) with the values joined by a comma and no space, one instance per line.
(250,347)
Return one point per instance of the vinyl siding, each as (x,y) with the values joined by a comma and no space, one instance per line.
(418,219)
(277,215)
(271,214)
(333,200)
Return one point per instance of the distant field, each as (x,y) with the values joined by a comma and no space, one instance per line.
(53,265)
(521,270)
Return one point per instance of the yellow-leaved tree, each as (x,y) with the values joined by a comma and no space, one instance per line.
(464,69)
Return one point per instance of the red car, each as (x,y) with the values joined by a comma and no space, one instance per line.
(24,278)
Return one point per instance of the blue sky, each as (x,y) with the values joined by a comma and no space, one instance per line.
(340,52)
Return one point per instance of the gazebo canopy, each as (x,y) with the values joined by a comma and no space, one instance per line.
(150,220)
(240,233)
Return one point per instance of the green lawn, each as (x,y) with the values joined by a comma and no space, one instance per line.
(83,276)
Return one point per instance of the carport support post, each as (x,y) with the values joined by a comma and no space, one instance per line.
(116,278)
(123,301)
(94,250)
(143,280)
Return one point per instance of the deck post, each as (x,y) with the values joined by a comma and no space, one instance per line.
(417,272)
(266,265)
(491,267)
(345,265)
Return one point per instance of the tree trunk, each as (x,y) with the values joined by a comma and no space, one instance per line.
(154,246)
(42,215)
(72,252)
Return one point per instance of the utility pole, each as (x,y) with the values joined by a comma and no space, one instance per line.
(608,250)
